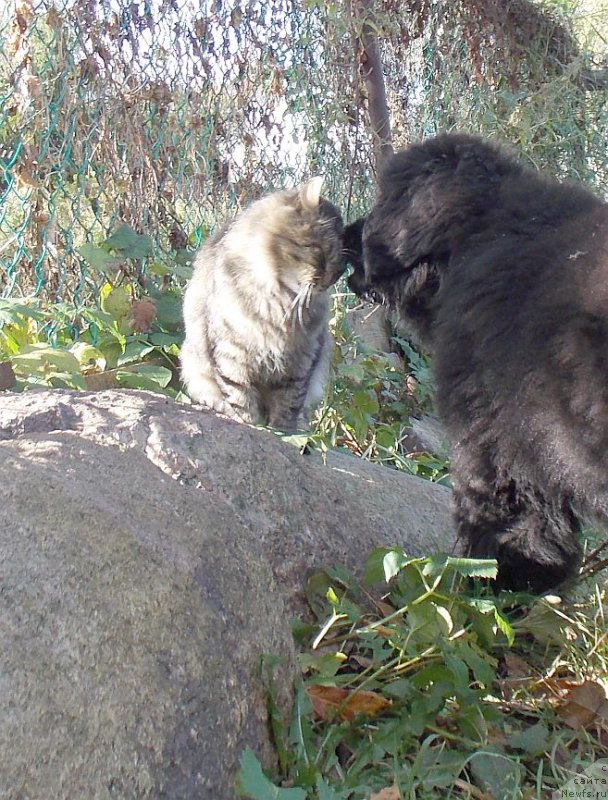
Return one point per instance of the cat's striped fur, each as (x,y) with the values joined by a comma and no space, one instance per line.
(257,341)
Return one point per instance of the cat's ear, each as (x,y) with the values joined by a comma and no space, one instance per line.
(310,193)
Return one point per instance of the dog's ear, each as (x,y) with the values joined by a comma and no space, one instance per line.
(386,224)
(429,221)
(406,225)
(431,196)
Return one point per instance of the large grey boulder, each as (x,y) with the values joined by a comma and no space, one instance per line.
(305,514)
(149,554)
(132,621)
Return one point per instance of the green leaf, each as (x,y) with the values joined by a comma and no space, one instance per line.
(165,339)
(100,259)
(129,243)
(505,626)
(158,268)
(315,591)
(489,609)
(497,773)
(299,440)
(325,665)
(40,358)
(473,567)
(184,256)
(385,563)
(65,380)
(481,664)
(169,311)
(353,372)
(393,562)
(432,676)
(55,380)
(374,566)
(366,401)
(11,310)
(88,355)
(460,673)
(388,436)
(435,565)
(444,619)
(302,632)
(545,622)
(117,303)
(252,783)
(472,720)
(135,350)
(183,271)
(325,791)
(145,376)
(533,740)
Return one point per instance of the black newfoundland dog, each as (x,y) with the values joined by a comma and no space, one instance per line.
(504,274)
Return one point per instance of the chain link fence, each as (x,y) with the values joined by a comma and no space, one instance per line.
(167,115)
(163,115)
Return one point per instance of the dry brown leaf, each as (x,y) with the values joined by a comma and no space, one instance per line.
(25,178)
(516,666)
(53,18)
(583,704)
(7,376)
(385,608)
(329,701)
(390,793)
(142,315)
(554,688)
(517,673)
(384,631)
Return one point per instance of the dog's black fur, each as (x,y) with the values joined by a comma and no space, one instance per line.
(412,297)
(515,312)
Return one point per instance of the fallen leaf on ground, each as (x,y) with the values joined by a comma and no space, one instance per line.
(329,701)
(583,704)
(516,666)
(390,793)
(554,688)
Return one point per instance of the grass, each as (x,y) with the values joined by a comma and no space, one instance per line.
(436,688)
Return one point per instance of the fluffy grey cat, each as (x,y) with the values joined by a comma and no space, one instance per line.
(257,344)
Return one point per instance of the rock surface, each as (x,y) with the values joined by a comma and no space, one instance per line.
(132,621)
(149,554)
(305,514)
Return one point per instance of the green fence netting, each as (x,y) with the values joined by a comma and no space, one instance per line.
(167,115)
(161,115)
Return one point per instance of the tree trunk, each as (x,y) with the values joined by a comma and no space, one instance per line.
(373,328)
(373,79)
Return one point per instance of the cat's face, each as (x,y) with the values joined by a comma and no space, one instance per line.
(306,237)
